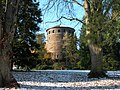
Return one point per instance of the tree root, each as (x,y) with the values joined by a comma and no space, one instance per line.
(94,74)
(12,83)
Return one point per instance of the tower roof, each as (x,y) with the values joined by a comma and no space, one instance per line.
(59,26)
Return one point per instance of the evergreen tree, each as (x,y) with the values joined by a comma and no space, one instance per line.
(41,41)
(41,51)
(110,49)
(70,51)
(25,44)
(84,62)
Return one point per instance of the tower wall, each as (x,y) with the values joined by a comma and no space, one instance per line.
(54,42)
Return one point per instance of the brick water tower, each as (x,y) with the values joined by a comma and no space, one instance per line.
(55,36)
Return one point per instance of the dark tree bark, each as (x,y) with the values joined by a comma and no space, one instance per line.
(7,29)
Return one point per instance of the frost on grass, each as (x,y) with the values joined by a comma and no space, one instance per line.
(65,80)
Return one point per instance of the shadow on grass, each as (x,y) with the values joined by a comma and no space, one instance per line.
(48,76)
(29,87)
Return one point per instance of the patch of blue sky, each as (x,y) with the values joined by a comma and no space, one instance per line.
(51,15)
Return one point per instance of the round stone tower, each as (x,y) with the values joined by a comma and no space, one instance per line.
(55,37)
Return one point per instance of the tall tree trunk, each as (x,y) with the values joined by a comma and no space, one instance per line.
(96,61)
(7,29)
(95,50)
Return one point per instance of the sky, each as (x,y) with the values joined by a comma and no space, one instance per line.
(51,16)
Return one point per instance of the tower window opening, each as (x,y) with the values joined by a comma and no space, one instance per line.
(64,30)
(58,30)
(57,56)
(53,31)
(69,31)
(49,32)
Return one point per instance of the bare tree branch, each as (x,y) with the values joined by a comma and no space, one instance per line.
(49,5)
(109,7)
(77,3)
(70,19)
(76,24)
